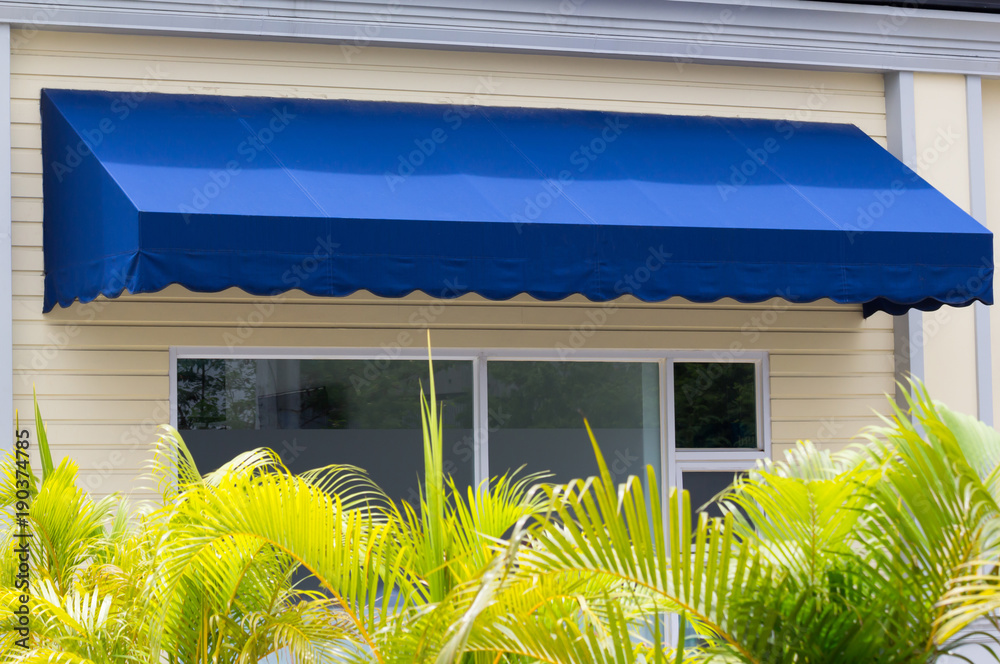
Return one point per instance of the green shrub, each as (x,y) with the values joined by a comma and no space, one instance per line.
(881,553)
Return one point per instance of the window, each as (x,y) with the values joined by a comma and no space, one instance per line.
(720,423)
(715,405)
(699,418)
(536,417)
(317,412)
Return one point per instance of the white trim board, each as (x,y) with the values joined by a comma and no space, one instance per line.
(785,33)
(6,268)
(901,134)
(417,353)
(977,208)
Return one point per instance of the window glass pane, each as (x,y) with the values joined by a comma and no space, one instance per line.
(319,412)
(536,412)
(703,486)
(715,405)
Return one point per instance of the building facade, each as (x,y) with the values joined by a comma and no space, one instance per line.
(301,372)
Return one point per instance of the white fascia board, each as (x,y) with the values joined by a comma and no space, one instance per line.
(787,33)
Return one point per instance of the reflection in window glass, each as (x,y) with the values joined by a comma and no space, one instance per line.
(715,405)
(318,412)
(536,412)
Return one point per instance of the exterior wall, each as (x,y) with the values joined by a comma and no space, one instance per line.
(942,146)
(101,369)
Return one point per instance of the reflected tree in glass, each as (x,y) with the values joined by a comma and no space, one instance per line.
(715,405)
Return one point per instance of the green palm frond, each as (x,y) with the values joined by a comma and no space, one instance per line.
(66,524)
(249,514)
(44,453)
(929,516)
(49,656)
(616,531)
(172,468)
(309,631)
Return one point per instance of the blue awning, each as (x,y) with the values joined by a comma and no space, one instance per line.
(332,197)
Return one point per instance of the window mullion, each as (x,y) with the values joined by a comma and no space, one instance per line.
(482,420)
(667,424)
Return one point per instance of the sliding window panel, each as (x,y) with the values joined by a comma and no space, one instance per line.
(537,410)
(319,412)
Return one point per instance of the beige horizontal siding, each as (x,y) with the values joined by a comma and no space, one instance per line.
(102,369)
(109,334)
(466,313)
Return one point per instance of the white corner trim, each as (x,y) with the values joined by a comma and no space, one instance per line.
(977,208)
(787,33)
(901,120)
(6,276)
(901,134)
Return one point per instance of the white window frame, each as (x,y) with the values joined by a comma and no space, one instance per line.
(673,462)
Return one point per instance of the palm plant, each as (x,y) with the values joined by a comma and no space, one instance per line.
(882,553)
(213,573)
(384,570)
(88,570)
